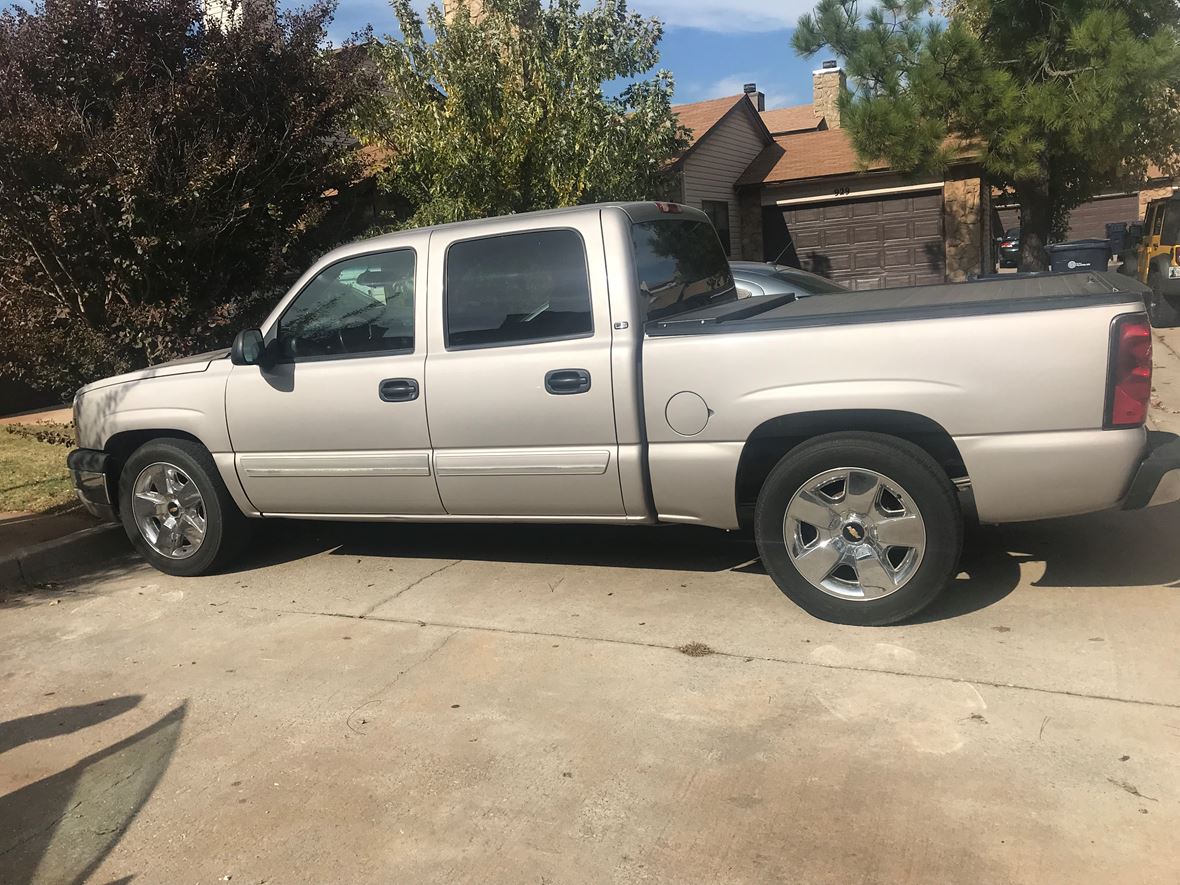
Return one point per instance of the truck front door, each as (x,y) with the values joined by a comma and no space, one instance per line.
(521,410)
(337,424)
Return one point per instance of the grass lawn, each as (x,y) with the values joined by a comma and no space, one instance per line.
(33,474)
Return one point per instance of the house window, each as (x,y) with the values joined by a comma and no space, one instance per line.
(718,212)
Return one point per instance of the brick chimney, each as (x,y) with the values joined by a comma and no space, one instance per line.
(756,97)
(826,86)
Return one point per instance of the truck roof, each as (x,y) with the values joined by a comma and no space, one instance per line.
(645,210)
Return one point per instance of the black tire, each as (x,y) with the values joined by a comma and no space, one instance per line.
(1162,312)
(227,530)
(921,479)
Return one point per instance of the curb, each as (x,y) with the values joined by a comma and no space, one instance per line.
(32,565)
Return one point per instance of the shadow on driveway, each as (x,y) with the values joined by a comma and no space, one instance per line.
(60,828)
(63,720)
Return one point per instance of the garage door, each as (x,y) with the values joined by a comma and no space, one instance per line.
(1089,219)
(872,243)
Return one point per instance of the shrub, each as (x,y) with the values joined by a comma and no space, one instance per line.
(162,177)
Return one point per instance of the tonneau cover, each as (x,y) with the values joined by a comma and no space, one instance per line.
(1023,292)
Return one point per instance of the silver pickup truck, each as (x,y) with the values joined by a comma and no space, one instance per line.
(594,365)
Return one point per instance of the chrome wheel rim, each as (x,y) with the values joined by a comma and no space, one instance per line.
(169,510)
(854,533)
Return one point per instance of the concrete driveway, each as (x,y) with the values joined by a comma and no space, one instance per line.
(511,705)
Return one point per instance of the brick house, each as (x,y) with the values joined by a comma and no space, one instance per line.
(787,184)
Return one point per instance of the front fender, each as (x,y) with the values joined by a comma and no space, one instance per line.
(192,403)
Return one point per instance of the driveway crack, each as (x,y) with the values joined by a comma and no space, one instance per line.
(741,656)
(372,608)
(354,722)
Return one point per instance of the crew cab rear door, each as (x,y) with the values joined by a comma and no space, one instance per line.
(521,410)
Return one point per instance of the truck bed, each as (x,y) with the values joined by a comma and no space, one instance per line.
(1050,291)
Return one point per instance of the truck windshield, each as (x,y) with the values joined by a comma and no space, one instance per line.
(681,267)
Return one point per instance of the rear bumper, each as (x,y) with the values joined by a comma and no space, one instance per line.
(92,483)
(1157,481)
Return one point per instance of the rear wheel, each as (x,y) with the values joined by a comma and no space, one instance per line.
(859,528)
(177,511)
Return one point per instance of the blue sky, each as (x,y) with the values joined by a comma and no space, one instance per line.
(712,46)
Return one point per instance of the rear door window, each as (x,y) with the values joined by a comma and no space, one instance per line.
(681,267)
(517,289)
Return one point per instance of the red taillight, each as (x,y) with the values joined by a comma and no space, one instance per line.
(668,208)
(1128,392)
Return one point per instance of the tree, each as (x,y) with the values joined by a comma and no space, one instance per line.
(504,111)
(1059,100)
(161,176)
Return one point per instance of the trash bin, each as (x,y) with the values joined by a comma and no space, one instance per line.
(1116,234)
(1079,255)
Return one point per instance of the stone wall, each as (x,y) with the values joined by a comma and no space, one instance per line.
(965,212)
(750,223)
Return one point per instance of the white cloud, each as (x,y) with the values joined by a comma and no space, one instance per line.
(719,16)
(730,16)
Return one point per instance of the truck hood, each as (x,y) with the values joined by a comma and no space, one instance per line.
(182,366)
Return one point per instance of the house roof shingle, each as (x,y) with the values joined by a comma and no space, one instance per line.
(701,116)
(803,155)
(799,118)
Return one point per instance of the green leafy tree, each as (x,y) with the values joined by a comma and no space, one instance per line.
(1060,101)
(161,176)
(504,111)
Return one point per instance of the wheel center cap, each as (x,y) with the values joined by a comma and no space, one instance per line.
(173,508)
(853,532)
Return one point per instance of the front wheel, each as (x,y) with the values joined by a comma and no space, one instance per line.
(177,511)
(859,528)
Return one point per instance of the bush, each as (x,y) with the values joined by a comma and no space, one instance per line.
(161,177)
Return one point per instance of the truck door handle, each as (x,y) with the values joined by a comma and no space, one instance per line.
(398,390)
(562,382)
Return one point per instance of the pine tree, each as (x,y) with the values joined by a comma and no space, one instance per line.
(1060,101)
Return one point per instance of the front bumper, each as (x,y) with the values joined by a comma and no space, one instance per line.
(1157,481)
(92,481)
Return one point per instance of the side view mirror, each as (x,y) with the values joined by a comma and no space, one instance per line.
(248,349)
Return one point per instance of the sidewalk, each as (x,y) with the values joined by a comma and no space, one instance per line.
(1165,394)
(62,414)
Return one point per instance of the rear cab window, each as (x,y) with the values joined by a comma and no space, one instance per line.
(681,267)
